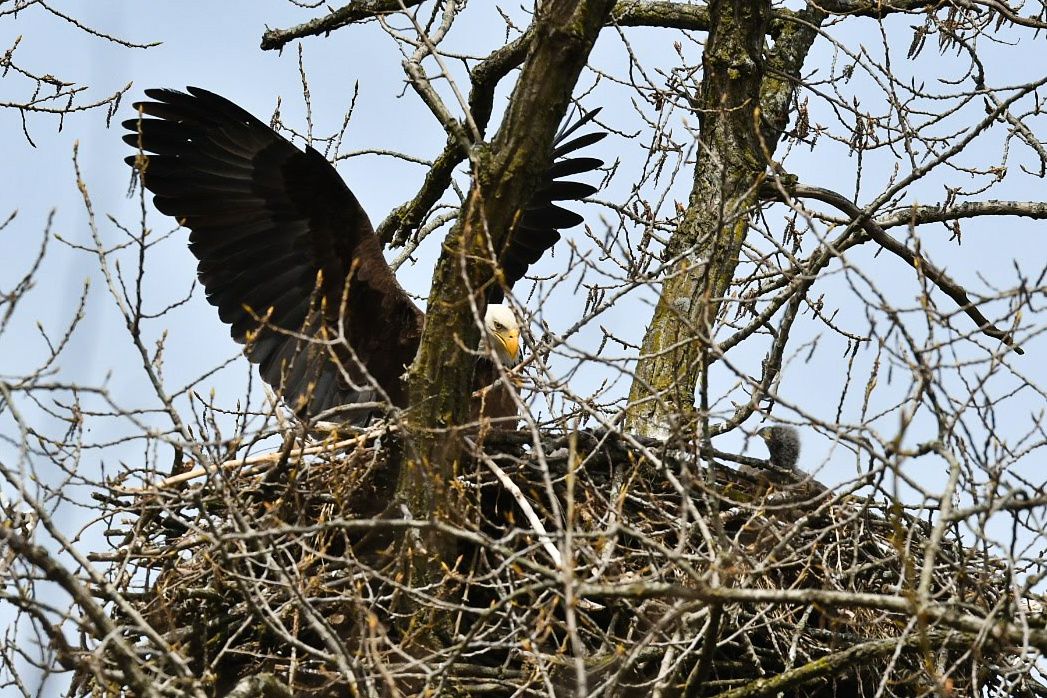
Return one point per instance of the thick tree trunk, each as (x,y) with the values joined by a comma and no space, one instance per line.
(504,177)
(731,164)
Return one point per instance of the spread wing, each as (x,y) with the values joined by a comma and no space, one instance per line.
(543,219)
(286,253)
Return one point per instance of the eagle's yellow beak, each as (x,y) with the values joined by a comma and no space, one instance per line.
(510,341)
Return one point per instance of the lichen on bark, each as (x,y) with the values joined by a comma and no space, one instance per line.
(505,173)
(744,105)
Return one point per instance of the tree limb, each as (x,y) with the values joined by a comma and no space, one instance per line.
(729,167)
(259,686)
(95,614)
(643,13)
(505,174)
(356,11)
(827,667)
(947,615)
(406,217)
(919,215)
(938,276)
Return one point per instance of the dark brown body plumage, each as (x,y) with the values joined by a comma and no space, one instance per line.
(288,256)
(494,399)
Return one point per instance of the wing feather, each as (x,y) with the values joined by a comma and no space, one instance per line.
(267,222)
(539,227)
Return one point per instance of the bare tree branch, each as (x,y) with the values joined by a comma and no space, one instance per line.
(938,276)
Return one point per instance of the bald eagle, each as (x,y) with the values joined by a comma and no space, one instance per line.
(290,260)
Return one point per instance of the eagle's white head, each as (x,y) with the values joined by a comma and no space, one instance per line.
(504,329)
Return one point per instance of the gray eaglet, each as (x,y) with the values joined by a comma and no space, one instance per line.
(783,443)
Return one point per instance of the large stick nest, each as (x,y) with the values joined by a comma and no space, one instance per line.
(668,570)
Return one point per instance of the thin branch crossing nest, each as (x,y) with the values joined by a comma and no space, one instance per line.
(581,559)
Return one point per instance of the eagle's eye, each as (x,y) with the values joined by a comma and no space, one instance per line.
(498,326)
